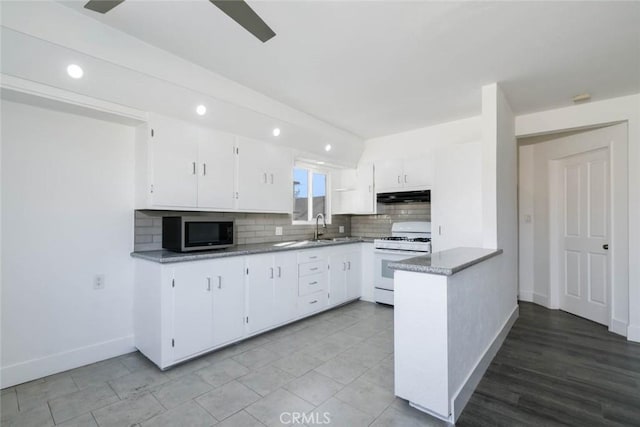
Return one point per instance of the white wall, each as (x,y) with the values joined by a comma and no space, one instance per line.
(623,109)
(535,201)
(67,214)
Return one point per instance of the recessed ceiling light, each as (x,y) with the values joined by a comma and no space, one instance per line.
(201,110)
(327,147)
(276,131)
(75,71)
(320,162)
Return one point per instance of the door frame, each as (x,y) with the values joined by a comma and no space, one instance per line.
(618,225)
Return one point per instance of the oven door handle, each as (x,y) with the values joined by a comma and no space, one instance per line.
(400,252)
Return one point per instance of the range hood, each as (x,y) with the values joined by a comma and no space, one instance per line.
(405,197)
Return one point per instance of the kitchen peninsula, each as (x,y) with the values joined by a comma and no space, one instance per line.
(451,318)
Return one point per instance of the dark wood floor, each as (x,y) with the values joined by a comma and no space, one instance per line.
(558,369)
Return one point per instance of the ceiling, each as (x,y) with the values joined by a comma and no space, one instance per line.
(382,67)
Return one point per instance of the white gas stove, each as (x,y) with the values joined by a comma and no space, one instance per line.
(408,239)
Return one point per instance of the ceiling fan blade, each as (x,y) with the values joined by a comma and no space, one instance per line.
(241,12)
(102,6)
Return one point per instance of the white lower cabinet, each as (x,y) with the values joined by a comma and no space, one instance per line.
(271,290)
(345,279)
(312,282)
(188,308)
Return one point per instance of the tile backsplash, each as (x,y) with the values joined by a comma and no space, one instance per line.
(379,225)
(249,227)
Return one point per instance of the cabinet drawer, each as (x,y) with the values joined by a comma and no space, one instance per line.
(311,303)
(311,284)
(315,267)
(311,256)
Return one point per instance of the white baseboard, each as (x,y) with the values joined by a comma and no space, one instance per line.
(618,327)
(540,299)
(460,399)
(60,362)
(525,296)
(633,333)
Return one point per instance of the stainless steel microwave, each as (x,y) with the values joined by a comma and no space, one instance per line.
(185,233)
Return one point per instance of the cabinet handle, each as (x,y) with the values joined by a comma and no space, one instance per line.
(194,167)
(313,269)
(313,283)
(399,182)
(271,269)
(405,179)
(272,178)
(313,257)
(265,177)
(237,195)
(279,271)
(209,284)
(219,282)
(344,266)
(348,265)
(314,301)
(204,169)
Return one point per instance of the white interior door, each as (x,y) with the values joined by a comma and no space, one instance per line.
(584,229)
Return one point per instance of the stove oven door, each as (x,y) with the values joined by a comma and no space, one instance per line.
(383,275)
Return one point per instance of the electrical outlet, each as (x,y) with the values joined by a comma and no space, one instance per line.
(341,229)
(278,231)
(98,282)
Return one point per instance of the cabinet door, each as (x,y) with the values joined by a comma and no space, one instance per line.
(389,176)
(265,181)
(217,170)
(365,198)
(174,148)
(418,173)
(192,309)
(228,299)
(285,287)
(337,278)
(280,185)
(354,275)
(260,287)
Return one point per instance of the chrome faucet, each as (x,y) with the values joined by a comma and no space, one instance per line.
(324,225)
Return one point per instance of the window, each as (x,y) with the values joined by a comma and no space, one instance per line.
(309,195)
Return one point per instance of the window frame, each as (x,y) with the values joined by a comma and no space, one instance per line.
(311,169)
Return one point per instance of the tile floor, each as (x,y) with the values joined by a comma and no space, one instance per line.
(339,362)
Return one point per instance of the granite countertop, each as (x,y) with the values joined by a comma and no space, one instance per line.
(163,256)
(445,263)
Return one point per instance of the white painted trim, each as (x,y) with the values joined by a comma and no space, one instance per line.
(60,362)
(526,296)
(462,396)
(618,327)
(54,94)
(542,300)
(633,333)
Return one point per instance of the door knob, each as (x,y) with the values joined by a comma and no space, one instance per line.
(605,247)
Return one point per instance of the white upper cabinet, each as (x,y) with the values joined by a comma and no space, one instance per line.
(173,155)
(354,191)
(265,177)
(182,166)
(408,174)
(216,170)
